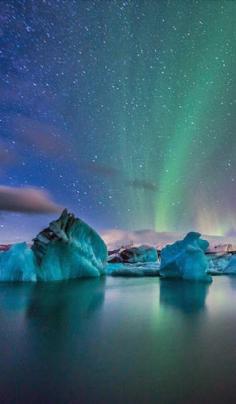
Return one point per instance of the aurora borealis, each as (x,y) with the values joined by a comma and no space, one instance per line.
(123,110)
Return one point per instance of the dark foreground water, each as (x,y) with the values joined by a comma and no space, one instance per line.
(118,340)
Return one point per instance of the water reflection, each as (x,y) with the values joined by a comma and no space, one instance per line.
(53,302)
(232,281)
(188,297)
(14,296)
(62,342)
(62,312)
(57,301)
(53,330)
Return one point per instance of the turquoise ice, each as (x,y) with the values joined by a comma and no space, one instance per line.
(186,259)
(18,264)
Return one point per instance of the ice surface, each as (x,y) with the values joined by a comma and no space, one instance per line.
(186,259)
(222,265)
(67,249)
(230,268)
(218,263)
(18,264)
(130,270)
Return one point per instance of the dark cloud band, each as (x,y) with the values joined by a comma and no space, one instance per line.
(26,200)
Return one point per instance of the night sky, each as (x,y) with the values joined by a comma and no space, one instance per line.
(124,111)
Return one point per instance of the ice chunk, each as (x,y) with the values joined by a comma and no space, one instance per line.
(18,264)
(186,259)
(69,248)
(132,255)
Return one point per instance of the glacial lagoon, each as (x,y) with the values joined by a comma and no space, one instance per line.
(118,340)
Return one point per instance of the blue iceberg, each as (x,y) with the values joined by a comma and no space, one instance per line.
(68,248)
(134,262)
(186,259)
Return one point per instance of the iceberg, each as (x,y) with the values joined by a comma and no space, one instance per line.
(186,259)
(68,248)
(131,255)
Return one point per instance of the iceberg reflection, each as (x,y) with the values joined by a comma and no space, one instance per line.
(186,296)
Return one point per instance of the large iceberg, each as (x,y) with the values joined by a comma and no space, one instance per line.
(67,248)
(186,259)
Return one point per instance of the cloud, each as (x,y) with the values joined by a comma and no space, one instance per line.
(108,171)
(146,185)
(26,200)
(100,169)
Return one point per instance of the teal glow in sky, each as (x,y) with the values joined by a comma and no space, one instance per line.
(123,110)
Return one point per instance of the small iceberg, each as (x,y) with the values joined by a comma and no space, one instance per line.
(186,259)
(136,261)
(132,255)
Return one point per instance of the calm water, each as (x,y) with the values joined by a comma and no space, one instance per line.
(118,340)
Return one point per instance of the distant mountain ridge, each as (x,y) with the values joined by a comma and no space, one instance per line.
(116,238)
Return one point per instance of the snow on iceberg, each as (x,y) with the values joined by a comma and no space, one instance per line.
(186,259)
(67,248)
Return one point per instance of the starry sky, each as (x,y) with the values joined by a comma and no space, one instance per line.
(123,110)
